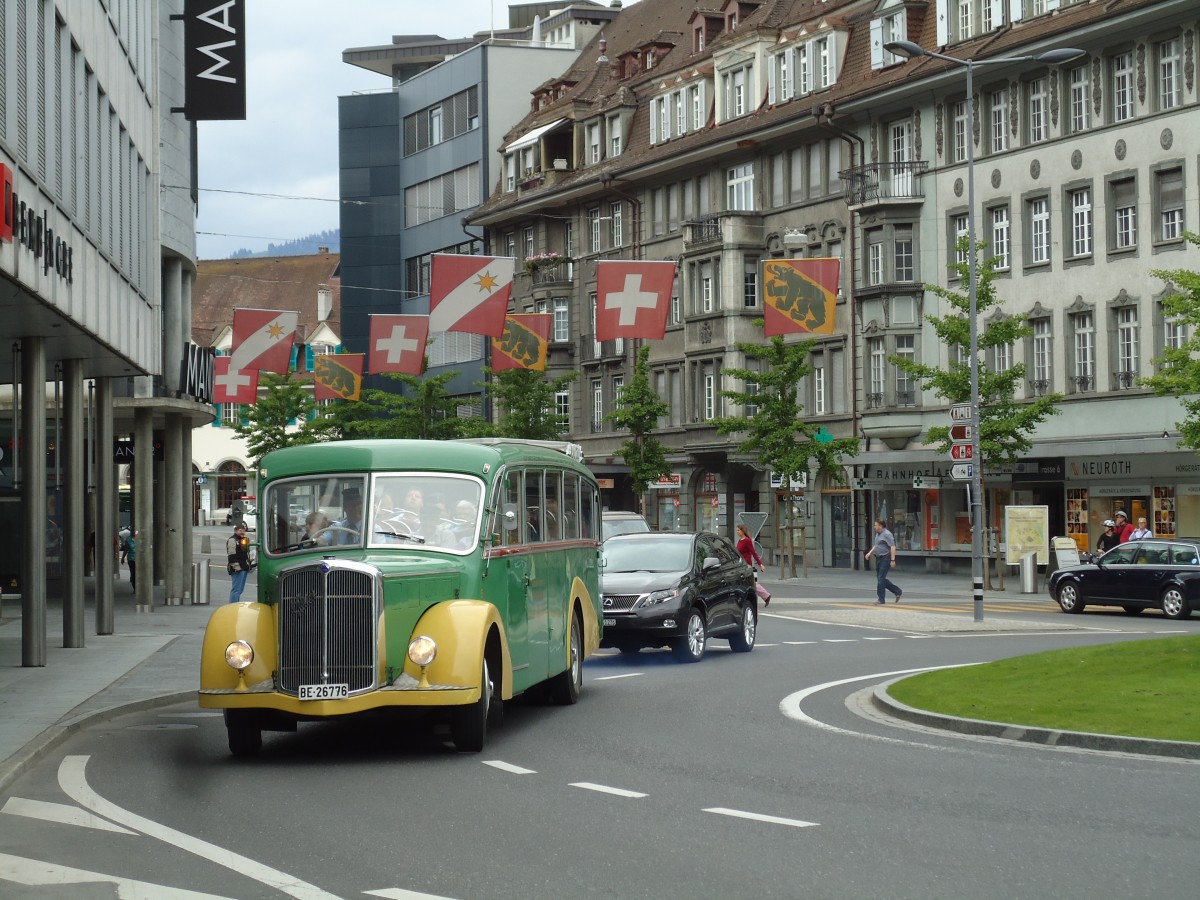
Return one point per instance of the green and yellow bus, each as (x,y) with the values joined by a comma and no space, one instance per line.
(447,576)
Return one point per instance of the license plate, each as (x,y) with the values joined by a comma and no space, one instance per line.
(324,691)
(608,621)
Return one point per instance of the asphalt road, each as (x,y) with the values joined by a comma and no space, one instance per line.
(765,775)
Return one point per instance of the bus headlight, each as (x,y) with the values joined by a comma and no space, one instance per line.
(239,655)
(422,650)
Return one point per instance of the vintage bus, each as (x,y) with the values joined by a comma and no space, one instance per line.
(442,576)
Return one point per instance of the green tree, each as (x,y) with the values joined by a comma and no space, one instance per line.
(526,398)
(777,434)
(424,410)
(638,410)
(282,402)
(1179,373)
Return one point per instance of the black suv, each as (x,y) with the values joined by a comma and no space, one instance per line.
(668,588)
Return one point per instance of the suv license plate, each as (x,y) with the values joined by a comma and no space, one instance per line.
(324,691)
(608,621)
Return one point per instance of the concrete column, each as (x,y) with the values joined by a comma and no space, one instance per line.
(106,506)
(73,440)
(161,489)
(189,503)
(34,509)
(174,333)
(176,481)
(143,506)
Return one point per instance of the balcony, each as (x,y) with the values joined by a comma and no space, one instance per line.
(883,184)
(558,273)
(735,227)
(1125,379)
(595,351)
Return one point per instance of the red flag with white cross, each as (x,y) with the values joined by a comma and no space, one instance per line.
(470,293)
(398,344)
(633,298)
(233,385)
(262,339)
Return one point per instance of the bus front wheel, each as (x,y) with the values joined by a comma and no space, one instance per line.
(245,735)
(468,725)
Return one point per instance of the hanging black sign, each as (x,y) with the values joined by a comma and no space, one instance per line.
(215,59)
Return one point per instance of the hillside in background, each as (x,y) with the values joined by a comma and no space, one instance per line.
(299,247)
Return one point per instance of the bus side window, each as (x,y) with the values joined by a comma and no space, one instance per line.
(533,506)
(509,520)
(552,513)
(589,519)
(570,506)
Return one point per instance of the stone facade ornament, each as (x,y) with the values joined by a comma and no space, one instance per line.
(1166,139)
(995,179)
(1054,97)
(958,187)
(975,119)
(1119,149)
(1076,160)
(1141,73)
(917,134)
(1097,86)
(1014,121)
(1035,170)
(1189,64)
(939,138)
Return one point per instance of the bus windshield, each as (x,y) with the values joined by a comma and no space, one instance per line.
(419,509)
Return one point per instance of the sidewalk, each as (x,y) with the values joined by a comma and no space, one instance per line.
(153,658)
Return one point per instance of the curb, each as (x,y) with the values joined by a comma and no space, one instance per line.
(1048,737)
(16,765)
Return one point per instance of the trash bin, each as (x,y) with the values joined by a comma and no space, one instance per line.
(201,580)
(1029,573)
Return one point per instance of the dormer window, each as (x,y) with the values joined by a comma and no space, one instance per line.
(649,60)
(731,22)
(809,65)
(891,26)
(678,112)
(698,38)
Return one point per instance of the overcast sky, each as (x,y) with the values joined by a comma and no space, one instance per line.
(287,145)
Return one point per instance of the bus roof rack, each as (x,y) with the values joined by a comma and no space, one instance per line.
(575,451)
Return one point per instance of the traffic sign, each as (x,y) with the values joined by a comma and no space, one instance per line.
(962,412)
(962,451)
(961,434)
(962,471)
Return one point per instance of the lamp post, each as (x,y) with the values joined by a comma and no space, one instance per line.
(909,50)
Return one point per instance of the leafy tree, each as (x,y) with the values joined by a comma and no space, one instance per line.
(425,410)
(1005,424)
(283,402)
(1180,366)
(777,434)
(526,398)
(638,410)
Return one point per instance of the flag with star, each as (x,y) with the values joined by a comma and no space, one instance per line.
(262,339)
(397,344)
(470,293)
(337,376)
(799,295)
(633,298)
(231,385)
(524,344)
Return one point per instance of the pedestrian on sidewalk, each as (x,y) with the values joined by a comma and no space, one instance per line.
(745,546)
(238,550)
(1108,539)
(884,552)
(1123,530)
(129,552)
(1141,533)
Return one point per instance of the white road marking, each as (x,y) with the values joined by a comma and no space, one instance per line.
(799,643)
(210,714)
(604,789)
(614,677)
(401,894)
(35,873)
(73,781)
(765,645)
(879,639)
(759,817)
(61,813)
(508,767)
(839,640)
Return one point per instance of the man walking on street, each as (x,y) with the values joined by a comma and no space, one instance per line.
(237,548)
(884,552)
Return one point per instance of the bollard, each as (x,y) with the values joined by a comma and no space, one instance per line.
(206,544)
(201,580)
(1029,573)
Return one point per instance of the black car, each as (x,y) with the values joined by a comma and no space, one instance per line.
(668,588)
(1150,574)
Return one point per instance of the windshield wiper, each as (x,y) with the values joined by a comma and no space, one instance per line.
(415,538)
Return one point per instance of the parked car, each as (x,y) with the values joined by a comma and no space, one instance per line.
(250,517)
(620,522)
(676,589)
(1137,575)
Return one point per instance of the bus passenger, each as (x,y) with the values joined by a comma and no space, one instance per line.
(316,525)
(351,523)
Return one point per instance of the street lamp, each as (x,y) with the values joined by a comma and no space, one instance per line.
(909,50)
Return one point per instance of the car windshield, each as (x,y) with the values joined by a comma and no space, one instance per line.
(431,511)
(658,554)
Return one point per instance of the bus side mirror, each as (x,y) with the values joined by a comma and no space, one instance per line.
(511,520)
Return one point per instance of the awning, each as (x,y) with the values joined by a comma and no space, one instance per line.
(532,136)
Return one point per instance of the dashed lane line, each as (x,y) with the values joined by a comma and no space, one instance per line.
(759,817)
(605,789)
(615,677)
(508,767)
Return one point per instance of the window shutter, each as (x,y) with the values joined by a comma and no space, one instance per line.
(308,357)
(877,43)
(997,13)
(216,423)
(788,89)
(294,357)
(654,121)
(943,22)
(774,64)
(1016,10)
(703,106)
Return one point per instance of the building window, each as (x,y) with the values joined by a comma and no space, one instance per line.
(613,130)
(1170,85)
(593,216)
(1127,347)
(616,225)
(750,282)
(906,349)
(696,101)
(960,228)
(1002,358)
(820,390)
(1081,99)
(1043,357)
(733,92)
(1122,86)
(960,131)
(903,257)
(1039,231)
(966,22)
(1123,202)
(1169,197)
(1081,222)
(562,319)
(562,410)
(877,371)
(527,241)
(884,30)
(998,102)
(1001,237)
(875,256)
(740,187)
(1174,331)
(597,405)
(593,143)
(1085,351)
(781,86)
(1035,92)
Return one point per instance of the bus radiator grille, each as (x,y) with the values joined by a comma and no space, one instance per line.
(327,624)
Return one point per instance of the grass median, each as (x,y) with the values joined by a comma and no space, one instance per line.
(1135,688)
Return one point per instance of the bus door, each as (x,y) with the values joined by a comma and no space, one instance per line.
(511,520)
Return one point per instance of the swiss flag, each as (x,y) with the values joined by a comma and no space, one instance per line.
(398,344)
(470,293)
(633,299)
(799,295)
(337,376)
(233,385)
(524,344)
(262,339)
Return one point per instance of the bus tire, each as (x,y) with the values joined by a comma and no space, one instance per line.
(468,724)
(566,685)
(245,735)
